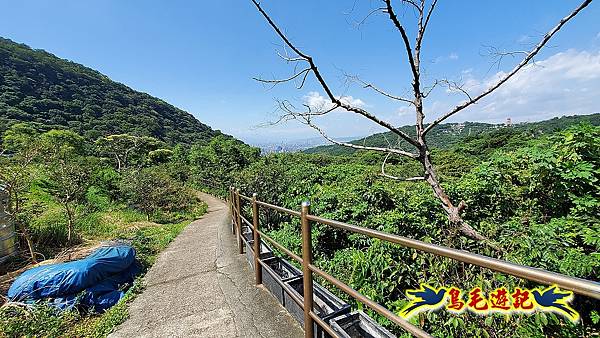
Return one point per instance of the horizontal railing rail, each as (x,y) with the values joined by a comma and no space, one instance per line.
(278,208)
(368,302)
(281,247)
(249,199)
(246,221)
(577,285)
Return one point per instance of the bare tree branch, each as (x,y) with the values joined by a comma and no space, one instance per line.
(414,67)
(379,90)
(289,109)
(498,55)
(361,22)
(384,174)
(413,4)
(379,121)
(428,90)
(530,55)
(414,62)
(335,100)
(303,81)
(305,118)
(290,59)
(423,27)
(454,86)
(277,81)
(307,121)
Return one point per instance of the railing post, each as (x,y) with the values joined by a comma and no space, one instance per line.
(239,221)
(232,209)
(235,209)
(307,273)
(257,266)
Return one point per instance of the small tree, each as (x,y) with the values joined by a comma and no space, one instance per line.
(160,156)
(152,189)
(126,149)
(67,182)
(67,172)
(214,165)
(20,148)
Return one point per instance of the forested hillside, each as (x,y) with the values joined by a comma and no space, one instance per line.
(446,135)
(86,160)
(36,86)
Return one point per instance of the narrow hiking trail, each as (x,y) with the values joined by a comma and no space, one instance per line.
(201,287)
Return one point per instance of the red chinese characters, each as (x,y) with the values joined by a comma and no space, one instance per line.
(476,301)
(521,300)
(499,300)
(456,304)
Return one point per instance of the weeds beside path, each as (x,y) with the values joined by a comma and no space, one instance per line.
(148,238)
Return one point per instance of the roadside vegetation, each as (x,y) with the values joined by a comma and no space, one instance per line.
(68,195)
(533,191)
(536,195)
(531,198)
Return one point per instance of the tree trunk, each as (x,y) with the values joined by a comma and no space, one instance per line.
(452,210)
(69,223)
(118,163)
(27,237)
(23,227)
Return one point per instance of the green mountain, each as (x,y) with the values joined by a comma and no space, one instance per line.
(36,86)
(447,135)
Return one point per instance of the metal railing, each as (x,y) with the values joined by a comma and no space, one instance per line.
(577,285)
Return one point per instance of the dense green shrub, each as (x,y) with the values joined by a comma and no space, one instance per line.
(537,198)
(152,191)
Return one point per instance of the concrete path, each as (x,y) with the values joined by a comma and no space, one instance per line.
(201,287)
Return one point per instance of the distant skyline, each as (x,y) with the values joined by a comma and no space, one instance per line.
(201,57)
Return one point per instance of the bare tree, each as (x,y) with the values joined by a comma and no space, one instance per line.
(419,92)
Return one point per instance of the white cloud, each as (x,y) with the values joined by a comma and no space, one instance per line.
(559,85)
(524,39)
(452,56)
(405,110)
(315,100)
(565,83)
(319,102)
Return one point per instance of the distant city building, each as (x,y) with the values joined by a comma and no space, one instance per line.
(458,127)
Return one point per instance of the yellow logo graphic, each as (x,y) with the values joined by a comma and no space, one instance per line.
(500,300)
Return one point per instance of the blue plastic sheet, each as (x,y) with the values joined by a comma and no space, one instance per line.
(93,282)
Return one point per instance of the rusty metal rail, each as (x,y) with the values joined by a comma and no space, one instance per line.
(246,221)
(278,208)
(281,247)
(577,285)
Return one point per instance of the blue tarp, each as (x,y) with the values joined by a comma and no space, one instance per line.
(94,281)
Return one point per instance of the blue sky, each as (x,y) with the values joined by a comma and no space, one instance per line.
(201,56)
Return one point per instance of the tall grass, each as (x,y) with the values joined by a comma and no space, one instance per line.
(114,222)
